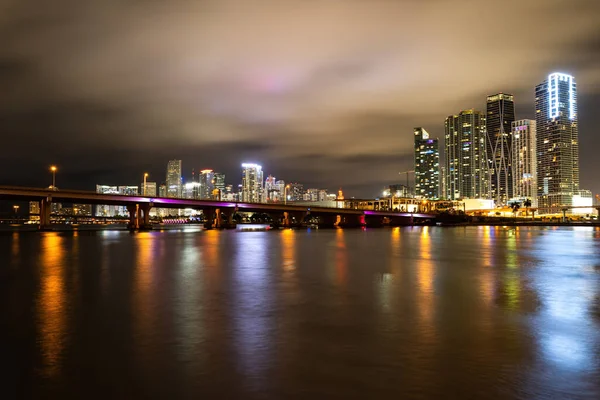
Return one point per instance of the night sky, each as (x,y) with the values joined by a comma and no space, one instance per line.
(322,92)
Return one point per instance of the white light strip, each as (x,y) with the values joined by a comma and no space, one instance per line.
(553,97)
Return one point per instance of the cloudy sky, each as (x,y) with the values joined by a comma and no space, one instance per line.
(324,92)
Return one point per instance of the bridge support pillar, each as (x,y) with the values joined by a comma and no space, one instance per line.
(134,216)
(45,208)
(218,219)
(209,218)
(143,216)
(276,220)
(291,219)
(230,220)
(564,212)
(287,220)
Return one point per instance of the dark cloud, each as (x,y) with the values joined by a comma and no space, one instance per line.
(325,93)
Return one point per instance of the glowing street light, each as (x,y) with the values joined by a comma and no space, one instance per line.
(53,169)
(285,190)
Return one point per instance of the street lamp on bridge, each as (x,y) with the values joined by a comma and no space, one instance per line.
(285,190)
(53,169)
(145,178)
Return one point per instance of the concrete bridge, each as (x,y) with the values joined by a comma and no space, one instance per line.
(219,214)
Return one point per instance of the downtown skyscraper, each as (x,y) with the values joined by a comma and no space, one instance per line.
(557,140)
(207,185)
(500,116)
(427,165)
(252,183)
(173,179)
(524,160)
(466,156)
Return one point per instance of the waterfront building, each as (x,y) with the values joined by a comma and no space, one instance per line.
(149,190)
(557,137)
(83,210)
(323,195)
(107,210)
(295,191)
(499,119)
(128,190)
(524,161)
(427,165)
(273,191)
(466,156)
(401,191)
(173,181)
(191,190)
(34,208)
(252,183)
(206,180)
(443,178)
(219,182)
(311,195)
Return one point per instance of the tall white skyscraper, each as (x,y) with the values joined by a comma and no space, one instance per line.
(173,181)
(252,183)
(557,141)
(524,160)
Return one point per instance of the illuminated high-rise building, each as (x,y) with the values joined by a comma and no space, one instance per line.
(466,156)
(557,141)
(219,181)
(443,181)
(83,210)
(107,210)
(427,165)
(34,208)
(149,190)
(205,178)
(295,191)
(272,193)
(252,183)
(173,181)
(499,119)
(524,160)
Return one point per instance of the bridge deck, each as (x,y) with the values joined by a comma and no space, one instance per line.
(86,197)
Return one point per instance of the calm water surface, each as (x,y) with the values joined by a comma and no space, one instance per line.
(469,313)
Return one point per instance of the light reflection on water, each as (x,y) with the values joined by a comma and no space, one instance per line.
(52,302)
(402,312)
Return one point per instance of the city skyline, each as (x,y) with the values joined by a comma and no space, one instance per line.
(348,103)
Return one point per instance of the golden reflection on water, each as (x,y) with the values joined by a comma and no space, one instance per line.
(341,257)
(143,280)
(211,257)
(425,276)
(486,276)
(15,247)
(512,287)
(288,250)
(52,301)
